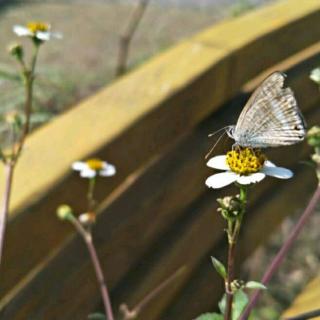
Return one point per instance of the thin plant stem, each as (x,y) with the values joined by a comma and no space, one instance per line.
(90,194)
(233,233)
(87,237)
(9,169)
(275,263)
(134,312)
(28,77)
(127,35)
(230,277)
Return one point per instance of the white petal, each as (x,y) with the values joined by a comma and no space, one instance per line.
(220,180)
(79,166)
(22,31)
(268,163)
(44,36)
(108,170)
(277,172)
(88,173)
(218,162)
(251,178)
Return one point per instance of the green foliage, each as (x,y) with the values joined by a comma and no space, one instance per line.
(210,316)
(52,91)
(240,300)
(220,268)
(97,316)
(267,313)
(313,137)
(241,7)
(6,73)
(255,285)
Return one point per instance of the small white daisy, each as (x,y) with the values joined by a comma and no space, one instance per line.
(244,166)
(38,30)
(93,167)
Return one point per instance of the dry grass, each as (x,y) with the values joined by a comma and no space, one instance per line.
(85,59)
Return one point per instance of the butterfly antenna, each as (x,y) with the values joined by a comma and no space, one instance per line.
(211,150)
(214,133)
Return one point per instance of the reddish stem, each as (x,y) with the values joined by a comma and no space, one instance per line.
(97,267)
(275,263)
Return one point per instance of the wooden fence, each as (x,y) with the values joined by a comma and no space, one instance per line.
(156,214)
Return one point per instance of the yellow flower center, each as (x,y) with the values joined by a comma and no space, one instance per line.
(95,164)
(38,26)
(245,160)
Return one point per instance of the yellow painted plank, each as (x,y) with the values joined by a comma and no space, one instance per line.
(307,300)
(102,117)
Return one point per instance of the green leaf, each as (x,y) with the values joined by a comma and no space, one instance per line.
(240,300)
(97,316)
(40,117)
(222,304)
(210,316)
(220,268)
(255,285)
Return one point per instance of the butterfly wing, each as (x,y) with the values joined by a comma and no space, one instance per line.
(271,117)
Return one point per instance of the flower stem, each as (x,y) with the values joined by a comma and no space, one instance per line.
(90,194)
(28,77)
(230,276)
(130,314)
(10,163)
(233,233)
(9,169)
(275,263)
(87,237)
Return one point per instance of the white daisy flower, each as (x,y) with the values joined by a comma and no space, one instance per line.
(37,30)
(93,167)
(244,166)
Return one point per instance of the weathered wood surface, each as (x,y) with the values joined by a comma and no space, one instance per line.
(157,211)
(127,236)
(308,300)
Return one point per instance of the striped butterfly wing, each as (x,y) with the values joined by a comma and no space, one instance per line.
(271,117)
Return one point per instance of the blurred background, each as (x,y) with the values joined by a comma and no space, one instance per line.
(89,49)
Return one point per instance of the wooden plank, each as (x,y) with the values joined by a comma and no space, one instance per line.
(165,98)
(306,301)
(124,233)
(190,244)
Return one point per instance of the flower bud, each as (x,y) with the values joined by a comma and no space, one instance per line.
(13,118)
(16,50)
(230,207)
(237,284)
(87,219)
(64,212)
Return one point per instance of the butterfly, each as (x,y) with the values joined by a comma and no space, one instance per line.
(270,118)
